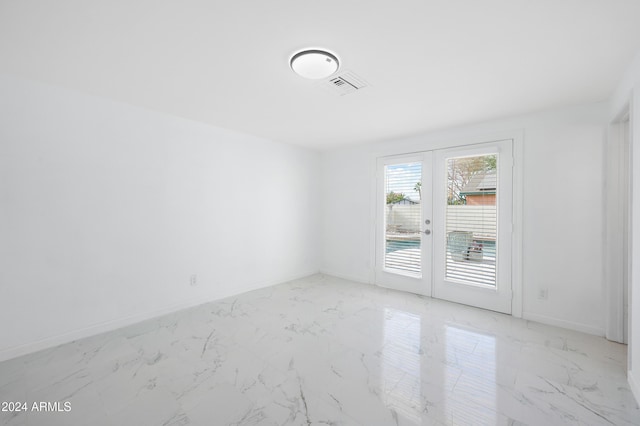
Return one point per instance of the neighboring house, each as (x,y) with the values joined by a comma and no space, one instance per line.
(404,201)
(481,189)
(403,216)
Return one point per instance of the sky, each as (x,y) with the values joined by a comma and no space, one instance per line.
(402,178)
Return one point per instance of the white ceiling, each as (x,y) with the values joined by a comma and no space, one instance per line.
(430,64)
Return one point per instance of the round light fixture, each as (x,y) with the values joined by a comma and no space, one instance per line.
(314,63)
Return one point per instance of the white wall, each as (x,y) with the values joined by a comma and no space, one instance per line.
(627,92)
(106,210)
(562,203)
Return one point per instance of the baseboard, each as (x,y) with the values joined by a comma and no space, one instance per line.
(106,326)
(269,283)
(114,324)
(584,328)
(634,385)
(345,276)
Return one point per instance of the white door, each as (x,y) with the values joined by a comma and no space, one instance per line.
(472,220)
(444,224)
(403,234)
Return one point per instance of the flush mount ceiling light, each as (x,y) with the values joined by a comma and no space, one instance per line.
(314,63)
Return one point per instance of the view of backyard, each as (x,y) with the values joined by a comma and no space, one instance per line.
(471,219)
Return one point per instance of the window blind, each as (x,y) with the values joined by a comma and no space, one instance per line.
(403,217)
(471,220)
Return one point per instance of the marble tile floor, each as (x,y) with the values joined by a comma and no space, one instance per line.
(325,351)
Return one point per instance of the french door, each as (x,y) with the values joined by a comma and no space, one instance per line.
(403,234)
(444,224)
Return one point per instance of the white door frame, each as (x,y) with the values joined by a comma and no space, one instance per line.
(499,297)
(434,142)
(618,226)
(398,280)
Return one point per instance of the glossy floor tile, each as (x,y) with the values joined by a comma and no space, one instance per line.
(324,351)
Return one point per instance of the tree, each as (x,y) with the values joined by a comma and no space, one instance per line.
(461,170)
(418,189)
(394,197)
(490,162)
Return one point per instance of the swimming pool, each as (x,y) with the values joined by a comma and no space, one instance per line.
(395,245)
(488,247)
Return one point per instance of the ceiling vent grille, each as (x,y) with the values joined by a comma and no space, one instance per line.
(344,83)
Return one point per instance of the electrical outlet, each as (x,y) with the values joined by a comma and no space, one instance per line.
(543,294)
(193,280)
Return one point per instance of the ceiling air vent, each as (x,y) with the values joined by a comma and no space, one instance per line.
(344,83)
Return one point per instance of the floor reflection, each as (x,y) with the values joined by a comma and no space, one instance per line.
(401,364)
(474,396)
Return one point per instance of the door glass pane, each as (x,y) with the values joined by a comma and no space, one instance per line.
(471,220)
(403,217)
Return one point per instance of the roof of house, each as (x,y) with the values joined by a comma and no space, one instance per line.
(482,182)
(406,201)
